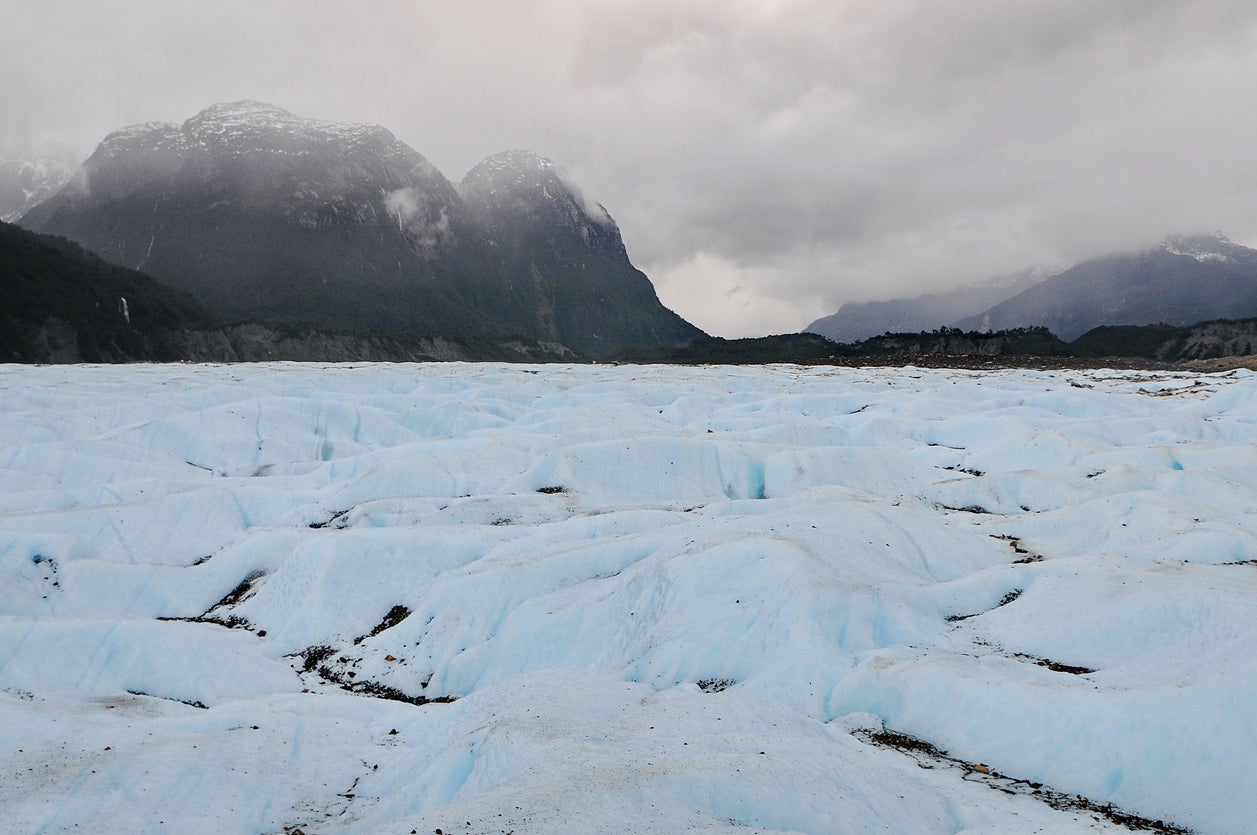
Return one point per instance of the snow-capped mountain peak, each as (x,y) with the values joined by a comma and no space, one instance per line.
(1213,246)
(241,120)
(246,110)
(233,129)
(514,167)
(518,175)
(28,179)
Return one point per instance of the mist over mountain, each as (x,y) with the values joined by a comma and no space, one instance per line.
(27,179)
(1184,279)
(856,321)
(264,215)
(267,216)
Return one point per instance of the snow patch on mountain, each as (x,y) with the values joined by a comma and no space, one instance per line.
(239,129)
(1211,247)
(235,123)
(526,175)
(27,179)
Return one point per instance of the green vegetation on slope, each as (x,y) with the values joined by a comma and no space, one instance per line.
(61,302)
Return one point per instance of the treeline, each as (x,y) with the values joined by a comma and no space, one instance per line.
(1157,343)
(59,302)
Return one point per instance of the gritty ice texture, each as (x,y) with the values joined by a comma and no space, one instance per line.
(483,598)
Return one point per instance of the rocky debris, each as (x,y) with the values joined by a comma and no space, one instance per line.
(930,756)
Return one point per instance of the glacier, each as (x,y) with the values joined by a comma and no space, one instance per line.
(587,598)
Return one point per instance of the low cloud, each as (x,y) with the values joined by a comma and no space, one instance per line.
(726,299)
(596,211)
(403,204)
(427,227)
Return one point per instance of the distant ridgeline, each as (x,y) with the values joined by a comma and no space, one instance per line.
(1159,343)
(1182,280)
(271,219)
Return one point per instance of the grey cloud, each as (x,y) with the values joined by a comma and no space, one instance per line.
(979,141)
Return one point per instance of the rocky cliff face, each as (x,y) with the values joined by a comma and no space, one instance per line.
(267,216)
(1227,338)
(1202,340)
(564,264)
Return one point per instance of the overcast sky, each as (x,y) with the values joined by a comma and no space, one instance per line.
(766,161)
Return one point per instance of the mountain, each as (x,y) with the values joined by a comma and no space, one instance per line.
(564,263)
(63,304)
(856,321)
(28,179)
(270,217)
(1185,279)
(267,216)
